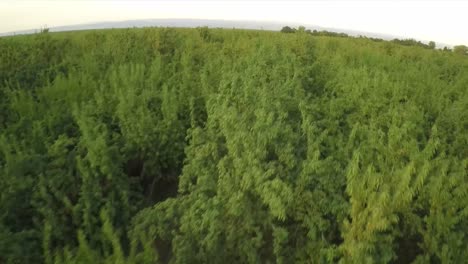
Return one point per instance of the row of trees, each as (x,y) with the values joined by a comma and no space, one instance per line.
(314,32)
(164,145)
(460,49)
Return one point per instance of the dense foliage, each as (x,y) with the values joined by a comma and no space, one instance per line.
(165,145)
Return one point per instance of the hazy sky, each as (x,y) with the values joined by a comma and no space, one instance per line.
(441,21)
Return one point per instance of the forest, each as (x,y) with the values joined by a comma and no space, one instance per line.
(165,145)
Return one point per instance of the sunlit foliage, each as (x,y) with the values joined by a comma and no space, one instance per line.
(163,145)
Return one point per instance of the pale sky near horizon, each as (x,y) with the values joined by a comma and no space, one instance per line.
(441,21)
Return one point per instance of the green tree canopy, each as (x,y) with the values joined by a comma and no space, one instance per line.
(163,145)
(461,49)
(287,29)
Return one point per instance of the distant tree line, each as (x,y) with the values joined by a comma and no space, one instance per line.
(413,42)
(460,49)
(314,32)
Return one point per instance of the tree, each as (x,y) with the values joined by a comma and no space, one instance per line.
(432,44)
(461,49)
(288,29)
(44,29)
